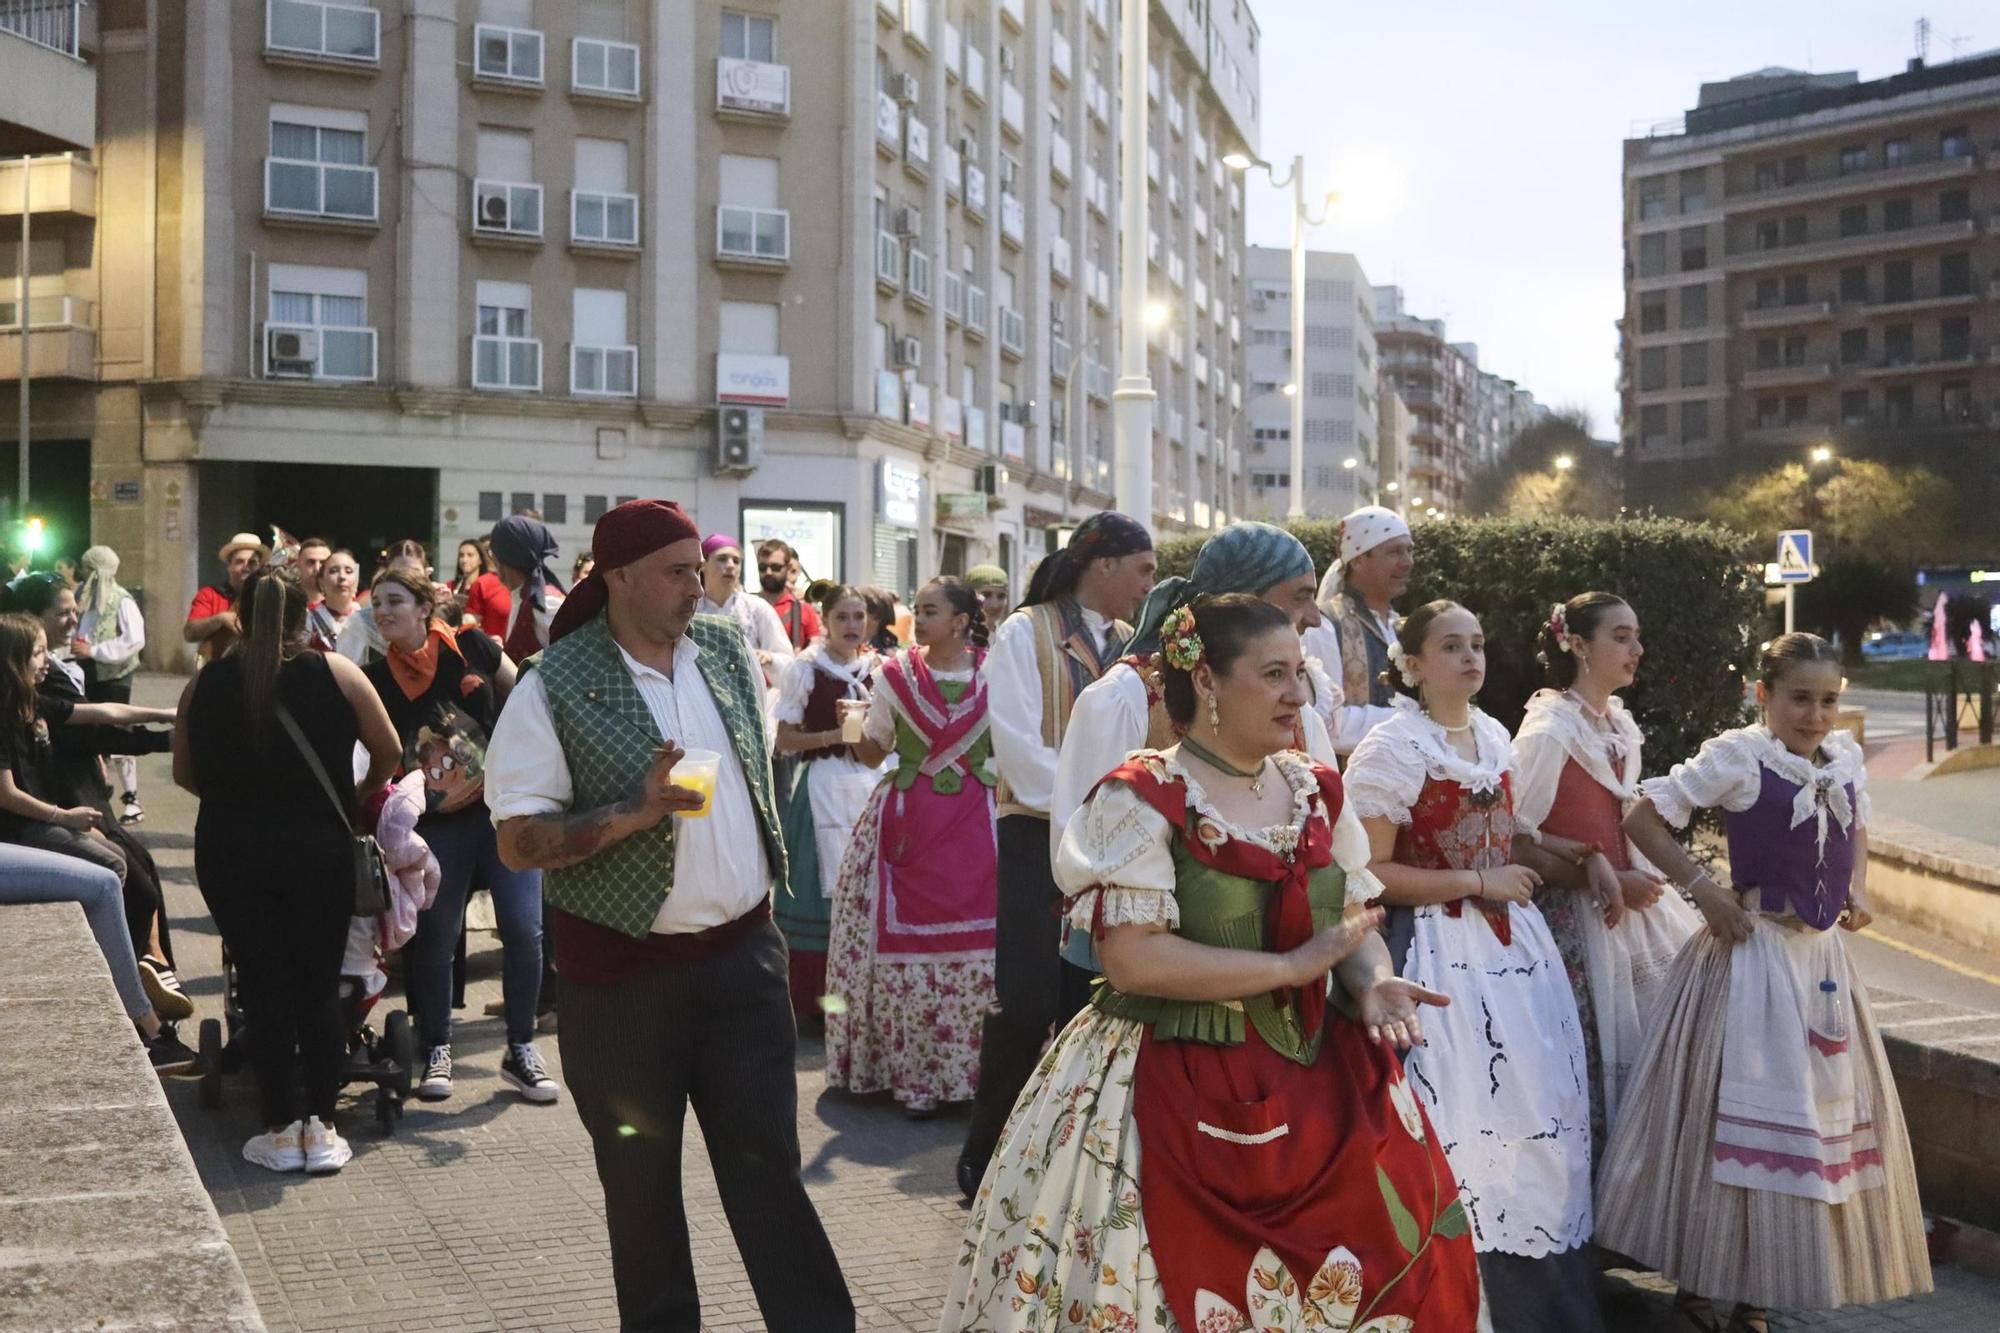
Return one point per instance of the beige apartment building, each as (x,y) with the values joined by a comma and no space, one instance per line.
(840,270)
(1812,259)
(1438,386)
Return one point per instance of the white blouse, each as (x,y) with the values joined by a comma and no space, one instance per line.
(1557,730)
(795,686)
(1728,773)
(1387,771)
(1118,850)
(879,725)
(1014,678)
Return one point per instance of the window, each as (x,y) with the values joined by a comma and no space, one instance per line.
(1899,344)
(1853,407)
(1796,231)
(505,353)
(1854,220)
(1955,403)
(1694,249)
(317,165)
(1652,255)
(1694,307)
(1653,425)
(336,32)
(1898,214)
(602,359)
(1853,346)
(1954,205)
(1653,368)
(751,328)
(1899,404)
(1332,386)
(1955,338)
(750,37)
(1795,410)
(490,507)
(1955,275)
(606,68)
(1798,289)
(1795,350)
(1694,365)
(555,509)
(318,324)
(523,502)
(1694,422)
(1768,295)
(601,212)
(1898,281)
(1895,152)
(594,508)
(1795,169)
(1768,234)
(1652,197)
(1767,175)
(505,198)
(1955,142)
(1653,313)
(1767,354)
(1853,159)
(1769,412)
(749,223)
(1854,283)
(509,55)
(1694,190)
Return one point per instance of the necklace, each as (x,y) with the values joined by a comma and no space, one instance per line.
(1223,766)
(1459,730)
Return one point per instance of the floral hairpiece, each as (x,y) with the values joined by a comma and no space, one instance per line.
(1179,643)
(1559,625)
(1399,657)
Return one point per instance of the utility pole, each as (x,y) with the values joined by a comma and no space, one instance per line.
(27,171)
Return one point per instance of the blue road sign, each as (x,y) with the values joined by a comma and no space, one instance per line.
(1795,563)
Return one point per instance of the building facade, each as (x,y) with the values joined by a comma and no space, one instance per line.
(1437,385)
(1809,260)
(1338,373)
(836,271)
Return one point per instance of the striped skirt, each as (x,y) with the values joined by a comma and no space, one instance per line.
(1659,1202)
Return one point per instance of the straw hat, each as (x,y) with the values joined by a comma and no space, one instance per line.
(243,541)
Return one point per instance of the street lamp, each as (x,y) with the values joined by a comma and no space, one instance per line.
(1133,399)
(1301,219)
(1564,462)
(1822,454)
(1070,427)
(1350,463)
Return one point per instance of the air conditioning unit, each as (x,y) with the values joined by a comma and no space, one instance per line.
(909,352)
(968,148)
(909,221)
(739,440)
(990,478)
(291,352)
(903,87)
(1006,60)
(493,211)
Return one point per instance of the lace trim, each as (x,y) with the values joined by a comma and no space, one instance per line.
(1108,905)
(1433,743)
(1282,839)
(1564,719)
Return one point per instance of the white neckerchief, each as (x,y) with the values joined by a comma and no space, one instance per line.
(854,675)
(1481,774)
(1822,787)
(1564,717)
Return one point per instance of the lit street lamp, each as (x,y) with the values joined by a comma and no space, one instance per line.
(1822,454)
(1133,398)
(1564,462)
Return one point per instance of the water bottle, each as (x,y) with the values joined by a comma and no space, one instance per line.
(1833,1015)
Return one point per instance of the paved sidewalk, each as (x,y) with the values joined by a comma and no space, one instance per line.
(483,1212)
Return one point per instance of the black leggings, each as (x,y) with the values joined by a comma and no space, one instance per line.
(281,896)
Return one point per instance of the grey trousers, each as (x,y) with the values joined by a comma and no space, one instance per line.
(716,1034)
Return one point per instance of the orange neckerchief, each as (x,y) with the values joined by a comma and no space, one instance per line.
(415,671)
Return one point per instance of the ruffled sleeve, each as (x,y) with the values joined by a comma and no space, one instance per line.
(1116,863)
(1725,773)
(1351,854)
(1539,757)
(1848,751)
(794,689)
(879,725)
(1385,776)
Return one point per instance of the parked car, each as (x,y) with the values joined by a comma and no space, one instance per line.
(1895,646)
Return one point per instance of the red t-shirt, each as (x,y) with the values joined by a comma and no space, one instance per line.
(212,601)
(806,628)
(488,600)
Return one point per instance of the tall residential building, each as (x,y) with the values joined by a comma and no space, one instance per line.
(840,270)
(1339,374)
(1497,410)
(1437,384)
(1808,257)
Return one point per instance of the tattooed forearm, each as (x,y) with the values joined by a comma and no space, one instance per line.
(551,842)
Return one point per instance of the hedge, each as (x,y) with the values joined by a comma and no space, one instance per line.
(1697,597)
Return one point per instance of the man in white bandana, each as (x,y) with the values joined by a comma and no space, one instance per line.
(1352,645)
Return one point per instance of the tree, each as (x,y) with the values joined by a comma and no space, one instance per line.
(1890,511)
(1528,482)
(1852,592)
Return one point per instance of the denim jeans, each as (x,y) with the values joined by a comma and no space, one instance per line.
(468,852)
(30,875)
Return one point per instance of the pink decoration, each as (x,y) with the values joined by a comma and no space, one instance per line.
(1976,650)
(1940,644)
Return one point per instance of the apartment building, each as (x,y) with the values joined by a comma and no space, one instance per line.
(1810,259)
(1337,371)
(1437,385)
(1497,409)
(837,271)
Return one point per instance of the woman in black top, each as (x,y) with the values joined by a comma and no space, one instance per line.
(443,689)
(272,854)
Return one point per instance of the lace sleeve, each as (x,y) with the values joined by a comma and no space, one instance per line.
(794,689)
(1384,777)
(1116,864)
(1351,854)
(1725,772)
(879,723)
(1539,758)
(1851,756)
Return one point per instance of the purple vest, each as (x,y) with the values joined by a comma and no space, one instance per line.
(1783,863)
(822,713)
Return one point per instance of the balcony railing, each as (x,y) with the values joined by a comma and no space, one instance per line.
(760,235)
(319,189)
(1840,247)
(1059,157)
(507,55)
(599,68)
(952,167)
(506,208)
(56,24)
(48,312)
(599,218)
(1060,57)
(507,363)
(1774,377)
(350,34)
(307,351)
(1894,176)
(1013,220)
(1059,258)
(975,190)
(604,372)
(1013,113)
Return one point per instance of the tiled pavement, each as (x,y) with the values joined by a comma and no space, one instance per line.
(483,1212)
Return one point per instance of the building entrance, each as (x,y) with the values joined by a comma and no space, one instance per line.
(362,508)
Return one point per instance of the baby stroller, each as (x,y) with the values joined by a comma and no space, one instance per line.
(387,1060)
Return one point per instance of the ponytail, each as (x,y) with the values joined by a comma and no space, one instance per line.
(965,602)
(275,606)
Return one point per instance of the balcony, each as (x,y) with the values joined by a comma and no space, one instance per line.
(506,210)
(58,25)
(753,237)
(1098,287)
(1096,192)
(954,298)
(507,58)
(752,90)
(604,372)
(62,339)
(952,166)
(1013,220)
(303,30)
(1059,156)
(954,52)
(604,220)
(1842,247)
(1153,165)
(1098,382)
(1779,377)
(888,125)
(1177,270)
(916,147)
(508,364)
(1176,347)
(1059,258)
(917,278)
(975,191)
(1013,439)
(975,311)
(1200,220)
(975,73)
(321,191)
(1911,304)
(1097,100)
(1100,14)
(888,262)
(1013,333)
(1176,116)
(1902,176)
(315,352)
(62,184)
(917,23)
(1010,11)
(1059,353)
(975,428)
(1013,114)
(1779,316)
(1948,360)
(1060,57)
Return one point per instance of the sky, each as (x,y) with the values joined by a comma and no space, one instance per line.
(1477,146)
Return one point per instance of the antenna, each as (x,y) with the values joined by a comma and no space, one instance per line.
(1923,38)
(1958,45)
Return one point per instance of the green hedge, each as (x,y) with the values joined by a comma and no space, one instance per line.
(1695,593)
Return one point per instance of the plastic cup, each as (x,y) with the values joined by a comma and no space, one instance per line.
(697,771)
(852,713)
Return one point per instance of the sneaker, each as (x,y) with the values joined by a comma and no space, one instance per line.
(325,1151)
(523,1069)
(163,988)
(168,1055)
(279,1150)
(436,1085)
(131,813)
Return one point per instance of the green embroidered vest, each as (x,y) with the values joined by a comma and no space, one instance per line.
(608,736)
(1229,911)
(912,750)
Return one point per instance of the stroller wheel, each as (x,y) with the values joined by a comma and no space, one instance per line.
(400,1046)
(209,1048)
(386,1110)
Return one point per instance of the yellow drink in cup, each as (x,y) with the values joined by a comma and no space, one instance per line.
(697,771)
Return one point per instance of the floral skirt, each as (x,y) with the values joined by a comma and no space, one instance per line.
(911,1026)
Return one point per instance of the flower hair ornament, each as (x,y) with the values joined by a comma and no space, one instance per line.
(1399,658)
(1559,626)
(1179,643)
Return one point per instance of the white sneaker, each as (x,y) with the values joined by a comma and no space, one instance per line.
(522,1069)
(436,1083)
(325,1151)
(279,1150)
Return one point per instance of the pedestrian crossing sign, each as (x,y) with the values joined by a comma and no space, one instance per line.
(1794,563)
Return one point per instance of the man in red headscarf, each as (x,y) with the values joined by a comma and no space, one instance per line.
(673,975)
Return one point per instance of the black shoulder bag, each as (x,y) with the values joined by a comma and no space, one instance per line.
(371,877)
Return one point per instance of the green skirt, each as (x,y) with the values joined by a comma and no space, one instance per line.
(801,908)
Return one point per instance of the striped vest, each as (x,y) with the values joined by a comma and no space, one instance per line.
(1066,661)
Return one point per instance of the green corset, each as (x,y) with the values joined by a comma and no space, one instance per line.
(912,750)
(1231,912)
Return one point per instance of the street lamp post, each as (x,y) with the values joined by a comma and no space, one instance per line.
(1070,430)
(1133,399)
